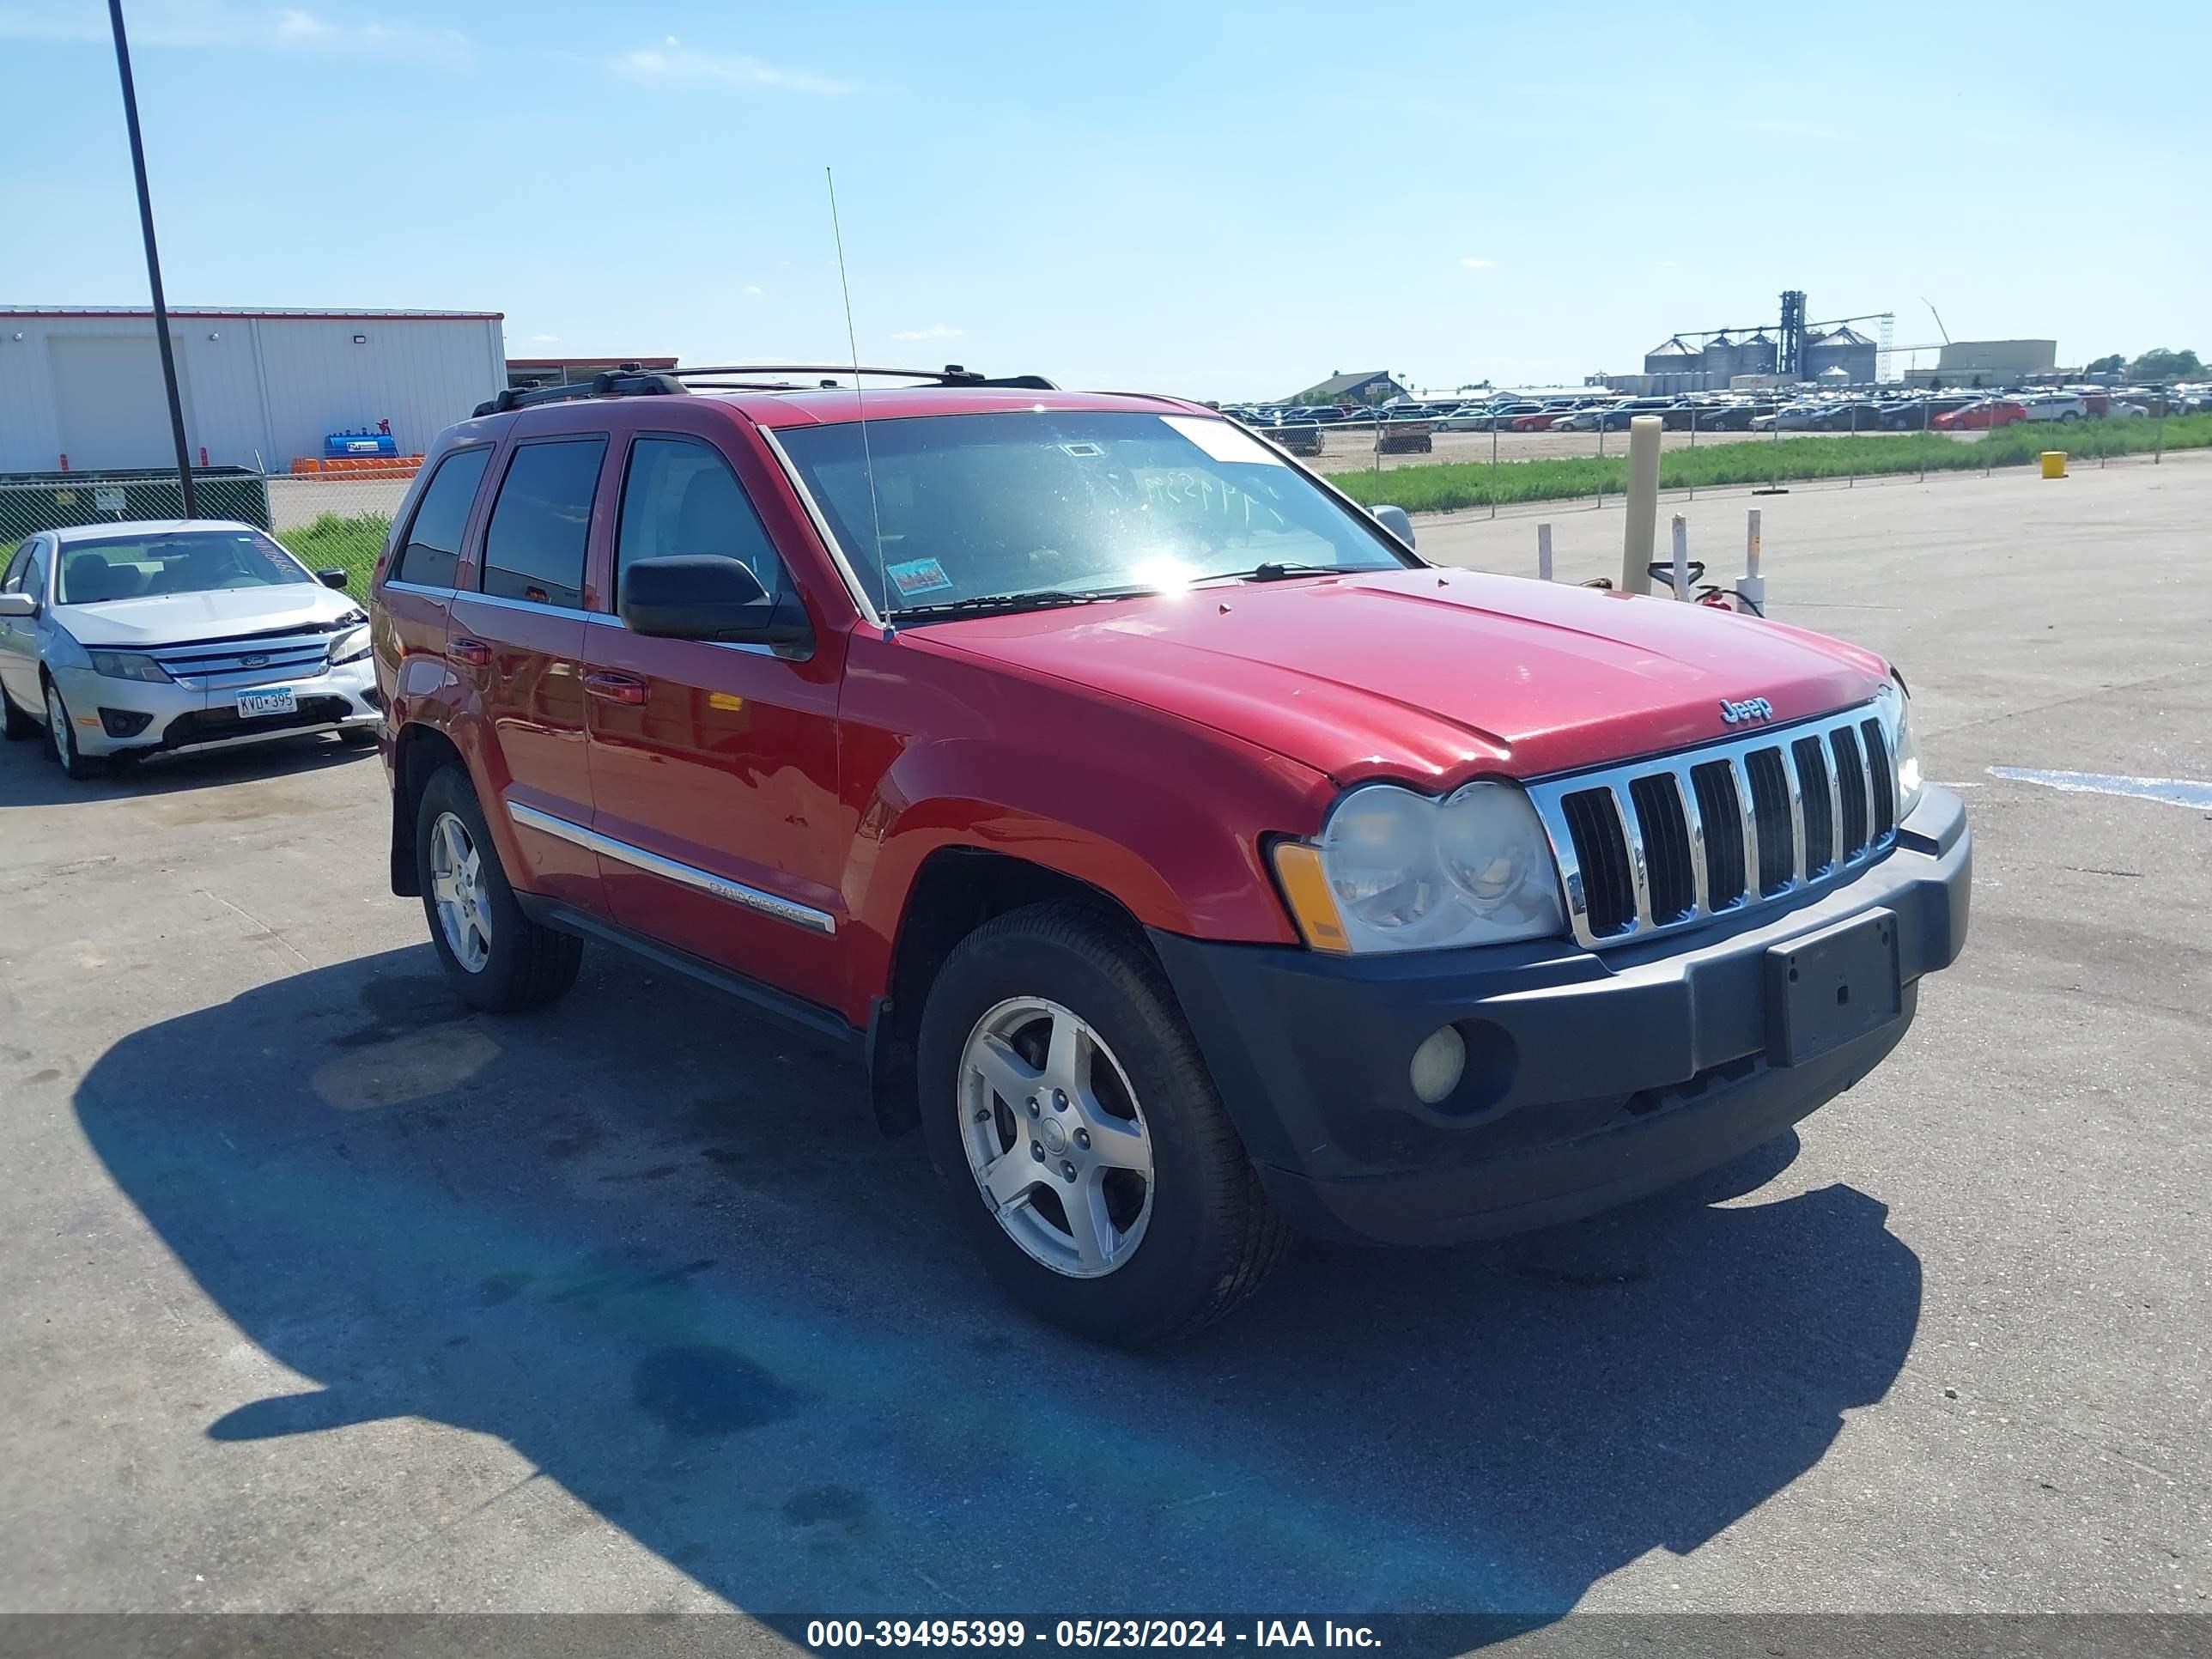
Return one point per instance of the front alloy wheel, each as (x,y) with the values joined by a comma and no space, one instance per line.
(1054,1138)
(62,738)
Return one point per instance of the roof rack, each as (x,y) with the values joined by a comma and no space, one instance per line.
(632,380)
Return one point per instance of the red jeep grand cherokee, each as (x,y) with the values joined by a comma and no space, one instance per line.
(1194,863)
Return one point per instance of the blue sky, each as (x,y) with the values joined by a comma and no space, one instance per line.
(1214,199)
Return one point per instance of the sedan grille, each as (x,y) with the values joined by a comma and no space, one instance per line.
(229,665)
(1664,844)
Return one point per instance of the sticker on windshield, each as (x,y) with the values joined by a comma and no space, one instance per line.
(918,576)
(1223,440)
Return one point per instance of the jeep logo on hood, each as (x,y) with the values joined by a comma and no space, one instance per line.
(1750,709)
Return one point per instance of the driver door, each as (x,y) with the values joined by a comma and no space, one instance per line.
(19,635)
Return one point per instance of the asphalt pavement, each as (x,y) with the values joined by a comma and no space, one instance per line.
(322,1294)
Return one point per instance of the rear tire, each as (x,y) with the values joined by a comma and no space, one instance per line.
(497,959)
(20,727)
(1202,1238)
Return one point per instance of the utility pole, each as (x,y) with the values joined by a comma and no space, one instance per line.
(153,260)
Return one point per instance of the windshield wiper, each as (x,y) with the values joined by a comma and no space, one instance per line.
(1036,599)
(1276,570)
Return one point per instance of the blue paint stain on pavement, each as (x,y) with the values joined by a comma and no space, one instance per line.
(2179,792)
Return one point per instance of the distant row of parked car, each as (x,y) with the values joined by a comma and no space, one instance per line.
(1609,411)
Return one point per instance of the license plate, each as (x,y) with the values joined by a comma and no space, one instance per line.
(1825,988)
(280,700)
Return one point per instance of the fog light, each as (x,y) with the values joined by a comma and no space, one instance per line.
(1438,1064)
(122,722)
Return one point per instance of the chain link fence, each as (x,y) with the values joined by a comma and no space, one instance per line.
(1478,458)
(329,519)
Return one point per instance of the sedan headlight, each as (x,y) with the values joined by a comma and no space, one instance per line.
(1904,753)
(128,665)
(350,646)
(1395,869)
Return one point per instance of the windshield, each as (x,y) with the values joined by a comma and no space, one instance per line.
(1068,503)
(150,565)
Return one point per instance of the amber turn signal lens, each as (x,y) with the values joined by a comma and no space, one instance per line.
(1306,889)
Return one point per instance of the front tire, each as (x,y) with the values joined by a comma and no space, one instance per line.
(61,741)
(497,959)
(1091,1161)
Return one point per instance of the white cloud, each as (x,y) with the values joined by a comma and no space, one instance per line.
(214,23)
(752,290)
(1479,264)
(672,62)
(934,332)
(545,339)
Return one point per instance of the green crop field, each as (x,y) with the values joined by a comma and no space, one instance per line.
(1444,486)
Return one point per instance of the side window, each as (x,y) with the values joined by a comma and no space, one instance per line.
(433,552)
(13,582)
(680,497)
(34,573)
(534,545)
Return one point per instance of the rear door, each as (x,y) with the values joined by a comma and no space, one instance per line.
(516,639)
(715,766)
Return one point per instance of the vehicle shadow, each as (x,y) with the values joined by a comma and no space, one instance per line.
(29,778)
(657,1247)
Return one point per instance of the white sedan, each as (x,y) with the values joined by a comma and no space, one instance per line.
(164,635)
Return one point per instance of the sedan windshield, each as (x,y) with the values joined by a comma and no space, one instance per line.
(1021,507)
(149,565)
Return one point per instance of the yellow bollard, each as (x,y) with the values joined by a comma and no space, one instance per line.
(2054,463)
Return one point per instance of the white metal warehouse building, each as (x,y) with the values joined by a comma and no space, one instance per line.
(80,388)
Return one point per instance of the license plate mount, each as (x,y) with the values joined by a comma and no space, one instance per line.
(270,700)
(1827,987)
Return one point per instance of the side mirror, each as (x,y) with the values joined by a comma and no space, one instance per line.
(18,605)
(1394,520)
(705,596)
(333,577)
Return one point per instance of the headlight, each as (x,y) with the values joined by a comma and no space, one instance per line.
(1394,870)
(1904,753)
(350,646)
(128,665)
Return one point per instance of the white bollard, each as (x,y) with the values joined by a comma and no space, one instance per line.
(1543,552)
(1681,557)
(1752,587)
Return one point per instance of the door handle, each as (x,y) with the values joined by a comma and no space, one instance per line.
(615,687)
(474,652)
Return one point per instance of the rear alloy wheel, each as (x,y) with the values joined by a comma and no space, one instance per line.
(1090,1158)
(61,740)
(497,958)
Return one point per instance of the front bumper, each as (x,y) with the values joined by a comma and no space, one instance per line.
(1592,1079)
(107,713)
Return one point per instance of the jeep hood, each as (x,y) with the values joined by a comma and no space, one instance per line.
(1431,675)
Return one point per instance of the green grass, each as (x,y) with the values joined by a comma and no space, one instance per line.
(350,544)
(1444,486)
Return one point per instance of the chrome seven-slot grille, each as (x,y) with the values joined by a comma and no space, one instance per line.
(1670,842)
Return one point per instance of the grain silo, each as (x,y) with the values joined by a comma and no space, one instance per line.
(1754,355)
(1719,360)
(1843,347)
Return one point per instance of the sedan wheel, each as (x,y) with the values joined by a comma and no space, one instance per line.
(1054,1138)
(61,737)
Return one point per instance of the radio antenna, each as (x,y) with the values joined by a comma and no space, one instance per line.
(859,405)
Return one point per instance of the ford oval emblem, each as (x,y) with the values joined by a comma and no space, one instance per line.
(1750,709)
(253,662)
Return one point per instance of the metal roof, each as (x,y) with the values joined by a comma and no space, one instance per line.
(233,313)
